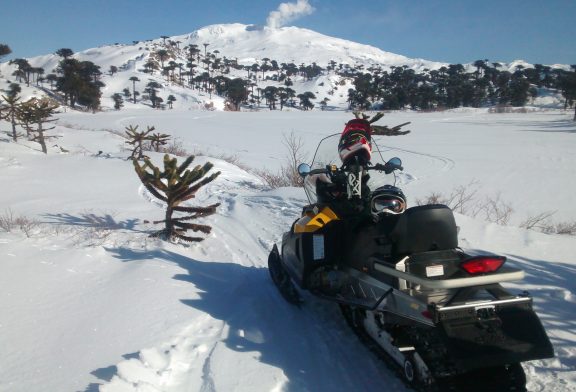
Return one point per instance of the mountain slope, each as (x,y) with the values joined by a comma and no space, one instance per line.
(244,44)
(294,44)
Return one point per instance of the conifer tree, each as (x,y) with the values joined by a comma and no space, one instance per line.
(137,140)
(152,91)
(79,82)
(305,100)
(162,55)
(157,140)
(9,112)
(171,99)
(573,86)
(65,53)
(4,50)
(118,101)
(134,79)
(236,92)
(174,186)
(24,69)
(14,89)
(567,84)
(34,114)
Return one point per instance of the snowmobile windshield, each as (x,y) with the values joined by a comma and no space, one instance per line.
(327,154)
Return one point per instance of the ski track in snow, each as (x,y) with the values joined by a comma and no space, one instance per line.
(9,163)
(237,331)
(146,195)
(434,165)
(321,321)
(174,363)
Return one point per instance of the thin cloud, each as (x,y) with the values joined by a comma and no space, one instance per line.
(288,12)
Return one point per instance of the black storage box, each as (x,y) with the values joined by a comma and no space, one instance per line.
(423,229)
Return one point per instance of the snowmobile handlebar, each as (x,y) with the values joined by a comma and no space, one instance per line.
(389,167)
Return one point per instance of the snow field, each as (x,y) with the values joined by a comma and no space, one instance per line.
(89,302)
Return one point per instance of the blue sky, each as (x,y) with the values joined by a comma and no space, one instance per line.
(538,31)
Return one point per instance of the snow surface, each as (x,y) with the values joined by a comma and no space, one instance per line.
(89,302)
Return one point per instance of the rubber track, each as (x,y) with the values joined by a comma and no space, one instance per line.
(497,379)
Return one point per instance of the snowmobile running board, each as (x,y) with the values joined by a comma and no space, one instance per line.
(507,275)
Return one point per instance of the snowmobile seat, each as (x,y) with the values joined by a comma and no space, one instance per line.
(423,229)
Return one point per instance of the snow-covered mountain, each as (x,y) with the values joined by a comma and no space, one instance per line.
(249,43)
(246,44)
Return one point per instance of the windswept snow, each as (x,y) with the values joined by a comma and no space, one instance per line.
(90,302)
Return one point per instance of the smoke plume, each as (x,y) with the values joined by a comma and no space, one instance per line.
(288,12)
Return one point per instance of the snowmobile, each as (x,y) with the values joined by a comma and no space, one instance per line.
(438,315)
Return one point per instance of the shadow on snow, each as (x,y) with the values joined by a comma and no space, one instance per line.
(312,345)
(89,220)
(552,285)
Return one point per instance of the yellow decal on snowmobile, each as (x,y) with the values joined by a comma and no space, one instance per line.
(310,223)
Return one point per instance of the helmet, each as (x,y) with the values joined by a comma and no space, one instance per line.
(355,142)
(387,200)
(355,145)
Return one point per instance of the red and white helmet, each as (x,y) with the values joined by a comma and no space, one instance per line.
(355,142)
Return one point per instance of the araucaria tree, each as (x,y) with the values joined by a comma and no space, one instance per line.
(152,93)
(4,50)
(34,114)
(118,101)
(158,140)
(9,112)
(174,186)
(236,92)
(137,140)
(134,79)
(79,82)
(567,84)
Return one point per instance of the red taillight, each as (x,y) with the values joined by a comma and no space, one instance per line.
(483,264)
(427,314)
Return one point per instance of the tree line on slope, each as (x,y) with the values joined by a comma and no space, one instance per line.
(211,73)
(452,86)
(270,83)
(373,87)
(76,82)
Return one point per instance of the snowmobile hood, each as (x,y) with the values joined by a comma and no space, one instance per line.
(312,222)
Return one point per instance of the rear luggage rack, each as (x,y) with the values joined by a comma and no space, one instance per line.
(505,274)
